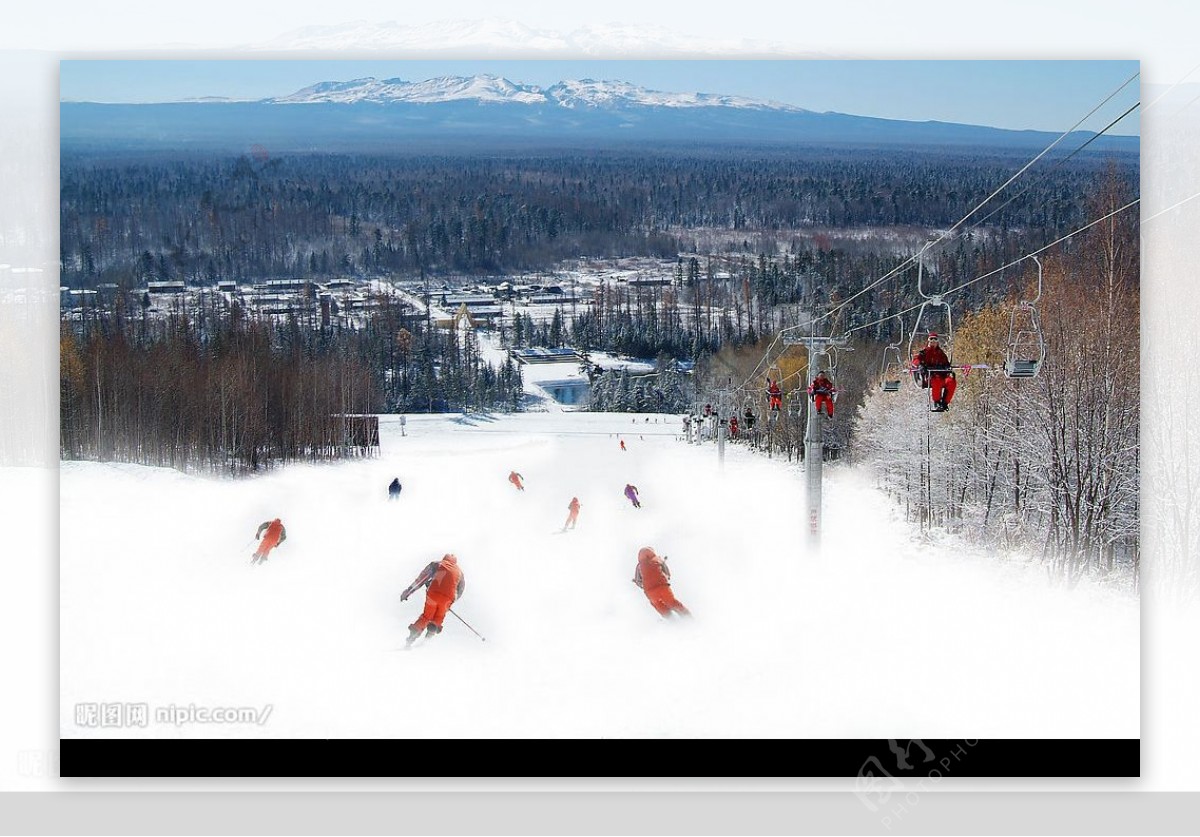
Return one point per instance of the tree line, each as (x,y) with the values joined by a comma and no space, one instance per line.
(1049,464)
(216,389)
(198,217)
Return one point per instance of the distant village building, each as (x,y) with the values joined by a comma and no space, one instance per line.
(464,315)
(648,282)
(76,298)
(166,288)
(275,286)
(571,387)
(541,355)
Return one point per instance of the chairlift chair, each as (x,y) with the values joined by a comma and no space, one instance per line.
(929,305)
(1026,349)
(892,363)
(945,340)
(775,374)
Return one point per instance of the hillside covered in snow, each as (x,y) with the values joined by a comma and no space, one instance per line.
(880,634)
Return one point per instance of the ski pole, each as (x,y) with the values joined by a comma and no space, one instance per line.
(464,621)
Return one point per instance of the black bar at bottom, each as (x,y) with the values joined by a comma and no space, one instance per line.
(875,763)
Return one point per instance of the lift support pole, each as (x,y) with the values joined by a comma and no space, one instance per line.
(813,442)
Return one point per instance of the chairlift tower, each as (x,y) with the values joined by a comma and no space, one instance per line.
(721,430)
(814,453)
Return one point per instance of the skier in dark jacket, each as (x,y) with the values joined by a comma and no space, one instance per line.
(445,583)
(394,489)
(933,370)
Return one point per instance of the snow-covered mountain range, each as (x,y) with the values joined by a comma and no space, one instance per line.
(582,93)
(492,111)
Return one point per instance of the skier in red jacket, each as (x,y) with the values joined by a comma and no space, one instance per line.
(445,582)
(932,368)
(822,390)
(275,535)
(654,577)
(774,395)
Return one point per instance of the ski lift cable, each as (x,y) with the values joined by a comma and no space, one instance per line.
(1175,205)
(943,235)
(1020,259)
(1060,163)
(1162,95)
(913,258)
(1041,250)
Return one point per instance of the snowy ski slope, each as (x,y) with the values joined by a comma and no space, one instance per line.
(880,635)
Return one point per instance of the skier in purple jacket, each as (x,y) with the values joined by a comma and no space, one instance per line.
(632,493)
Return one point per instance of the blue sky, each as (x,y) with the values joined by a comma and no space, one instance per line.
(1038,95)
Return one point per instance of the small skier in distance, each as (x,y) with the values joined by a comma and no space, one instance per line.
(654,577)
(631,492)
(515,479)
(623,445)
(573,508)
(444,582)
(275,535)
(394,489)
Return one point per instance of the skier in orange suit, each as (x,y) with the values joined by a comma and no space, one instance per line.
(275,535)
(573,508)
(445,584)
(654,577)
(515,479)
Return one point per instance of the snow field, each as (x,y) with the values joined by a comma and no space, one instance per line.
(880,635)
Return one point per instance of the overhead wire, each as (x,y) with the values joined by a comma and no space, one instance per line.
(1016,261)
(942,236)
(1060,163)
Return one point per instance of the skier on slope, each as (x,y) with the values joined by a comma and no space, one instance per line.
(821,391)
(275,535)
(394,489)
(573,508)
(932,369)
(654,577)
(445,583)
(631,493)
(515,479)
